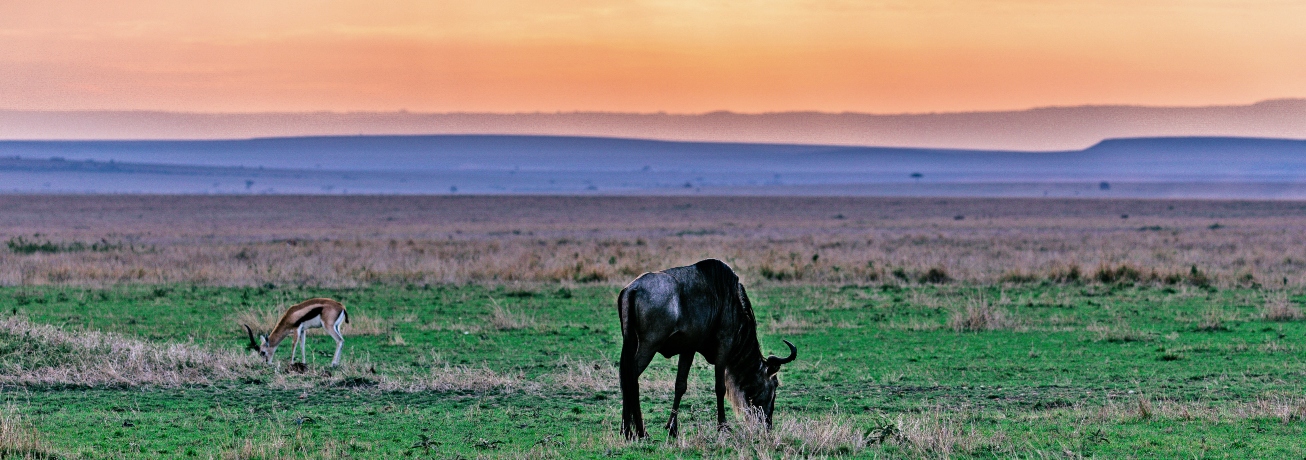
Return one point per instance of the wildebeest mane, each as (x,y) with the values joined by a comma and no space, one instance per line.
(743,360)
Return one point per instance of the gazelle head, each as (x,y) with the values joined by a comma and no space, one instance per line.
(261,345)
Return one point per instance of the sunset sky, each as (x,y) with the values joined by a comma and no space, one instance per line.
(885,56)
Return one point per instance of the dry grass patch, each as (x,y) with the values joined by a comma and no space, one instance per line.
(273,440)
(980,315)
(358,241)
(365,376)
(1120,333)
(584,375)
(829,435)
(260,319)
(790,324)
(42,354)
(1277,307)
(20,441)
(503,319)
(935,434)
(457,378)
(1212,321)
(914,325)
(1283,408)
(1274,346)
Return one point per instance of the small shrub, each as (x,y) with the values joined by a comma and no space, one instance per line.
(1198,278)
(1067,274)
(1119,274)
(21,245)
(775,274)
(936,275)
(1018,277)
(589,276)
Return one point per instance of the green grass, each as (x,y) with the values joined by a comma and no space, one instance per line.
(1092,370)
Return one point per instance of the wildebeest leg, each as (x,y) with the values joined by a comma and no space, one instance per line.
(633,362)
(682,384)
(721,396)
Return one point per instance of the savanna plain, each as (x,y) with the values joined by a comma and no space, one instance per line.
(486,327)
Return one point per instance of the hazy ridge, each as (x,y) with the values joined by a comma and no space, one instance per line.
(1206,167)
(1049,128)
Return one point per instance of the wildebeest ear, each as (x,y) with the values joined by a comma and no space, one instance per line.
(774,362)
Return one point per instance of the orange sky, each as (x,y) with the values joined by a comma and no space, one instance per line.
(881,56)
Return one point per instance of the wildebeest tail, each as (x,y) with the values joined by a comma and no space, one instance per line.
(625,304)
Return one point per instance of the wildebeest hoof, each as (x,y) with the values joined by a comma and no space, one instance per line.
(298,368)
(673,427)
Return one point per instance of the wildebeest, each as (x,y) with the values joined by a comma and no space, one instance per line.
(700,308)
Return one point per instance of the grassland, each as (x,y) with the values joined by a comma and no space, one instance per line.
(360,241)
(973,359)
(1071,370)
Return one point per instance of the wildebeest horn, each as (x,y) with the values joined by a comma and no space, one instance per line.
(253,344)
(775,361)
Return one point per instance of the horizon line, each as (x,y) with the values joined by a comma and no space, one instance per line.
(657,113)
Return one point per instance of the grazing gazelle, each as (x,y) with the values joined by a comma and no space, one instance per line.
(297,319)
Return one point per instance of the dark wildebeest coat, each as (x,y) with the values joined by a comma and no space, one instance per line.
(701,309)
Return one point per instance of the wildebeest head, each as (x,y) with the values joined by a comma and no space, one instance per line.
(760,395)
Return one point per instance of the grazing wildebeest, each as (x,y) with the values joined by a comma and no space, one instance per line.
(701,309)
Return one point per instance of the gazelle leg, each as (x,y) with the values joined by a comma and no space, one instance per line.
(303,345)
(334,330)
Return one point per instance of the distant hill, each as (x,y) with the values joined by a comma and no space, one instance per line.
(1040,129)
(1209,167)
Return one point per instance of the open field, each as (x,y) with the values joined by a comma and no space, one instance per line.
(486,327)
(358,241)
(1060,371)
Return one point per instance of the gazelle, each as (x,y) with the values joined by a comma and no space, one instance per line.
(298,319)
